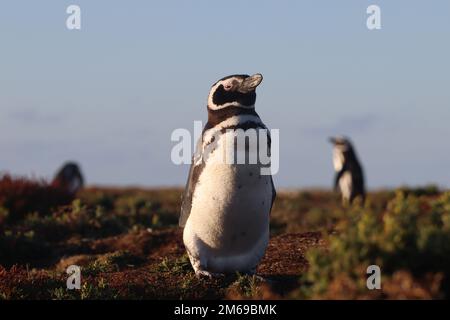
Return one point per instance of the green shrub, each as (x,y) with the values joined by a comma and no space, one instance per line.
(180,265)
(412,234)
(112,262)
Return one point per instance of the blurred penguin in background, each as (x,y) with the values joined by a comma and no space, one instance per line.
(69,178)
(349,179)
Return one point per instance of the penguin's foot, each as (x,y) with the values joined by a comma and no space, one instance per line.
(202,274)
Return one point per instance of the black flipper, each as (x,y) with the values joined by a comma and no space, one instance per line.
(194,173)
(337,178)
(274,194)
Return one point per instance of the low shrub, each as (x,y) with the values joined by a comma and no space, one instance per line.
(412,235)
(21,196)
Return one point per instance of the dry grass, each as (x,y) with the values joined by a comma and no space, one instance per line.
(129,246)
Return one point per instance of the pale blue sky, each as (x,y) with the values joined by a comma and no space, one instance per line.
(110,95)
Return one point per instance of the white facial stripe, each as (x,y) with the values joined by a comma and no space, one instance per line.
(229,104)
(210,96)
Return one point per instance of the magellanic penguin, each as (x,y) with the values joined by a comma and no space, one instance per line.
(349,177)
(226,204)
(69,178)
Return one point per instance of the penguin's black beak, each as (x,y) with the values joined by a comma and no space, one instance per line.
(332,140)
(250,83)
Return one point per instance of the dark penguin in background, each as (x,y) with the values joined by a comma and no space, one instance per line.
(349,173)
(69,178)
(226,206)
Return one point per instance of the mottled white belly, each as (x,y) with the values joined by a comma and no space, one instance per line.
(228,227)
(345,184)
(75,185)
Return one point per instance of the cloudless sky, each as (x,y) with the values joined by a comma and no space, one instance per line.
(109,95)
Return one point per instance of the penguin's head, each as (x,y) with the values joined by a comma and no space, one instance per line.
(69,177)
(234,91)
(341,143)
(341,151)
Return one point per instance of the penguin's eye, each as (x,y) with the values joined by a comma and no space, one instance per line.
(227,86)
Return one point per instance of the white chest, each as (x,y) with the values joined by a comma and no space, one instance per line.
(231,202)
(338,160)
(74,185)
